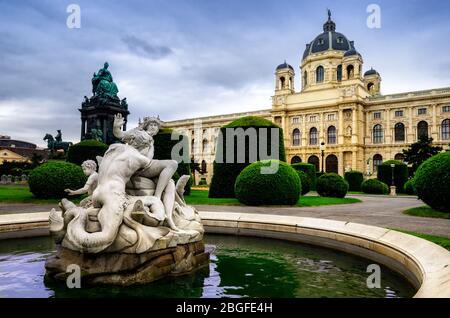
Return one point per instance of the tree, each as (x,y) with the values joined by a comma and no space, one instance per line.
(420,151)
(36,160)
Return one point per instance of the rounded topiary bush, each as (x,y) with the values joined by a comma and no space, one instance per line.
(409,187)
(374,186)
(432,182)
(52,178)
(401,174)
(280,188)
(310,171)
(86,150)
(305,182)
(331,185)
(354,179)
(250,133)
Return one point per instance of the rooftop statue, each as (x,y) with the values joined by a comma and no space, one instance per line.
(103,85)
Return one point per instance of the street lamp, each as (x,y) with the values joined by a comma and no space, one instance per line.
(393,192)
(322,151)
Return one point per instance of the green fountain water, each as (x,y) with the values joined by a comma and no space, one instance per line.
(239,267)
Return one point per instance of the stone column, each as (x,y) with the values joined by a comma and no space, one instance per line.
(341,168)
(387,131)
(83,128)
(434,130)
(410,134)
(105,130)
(321,128)
(354,167)
(287,134)
(304,133)
(354,126)
(341,129)
(368,128)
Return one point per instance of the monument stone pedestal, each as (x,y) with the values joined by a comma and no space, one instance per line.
(393,191)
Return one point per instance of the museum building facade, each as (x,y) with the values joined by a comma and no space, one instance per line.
(338,120)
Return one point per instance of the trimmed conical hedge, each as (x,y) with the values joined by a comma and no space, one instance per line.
(86,150)
(225,174)
(163,151)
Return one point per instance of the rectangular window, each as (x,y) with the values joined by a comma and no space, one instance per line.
(399,113)
(446,109)
(422,111)
(313,119)
(331,117)
(377,115)
(295,120)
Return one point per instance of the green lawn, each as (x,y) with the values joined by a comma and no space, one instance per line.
(439,240)
(199,197)
(426,211)
(22,194)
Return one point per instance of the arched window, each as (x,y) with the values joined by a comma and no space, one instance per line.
(339,73)
(320,74)
(377,160)
(399,157)
(350,71)
(314,160)
(296,137)
(399,132)
(377,134)
(305,78)
(331,134)
(313,138)
(203,166)
(445,128)
(331,164)
(296,159)
(205,146)
(192,145)
(370,87)
(282,82)
(422,129)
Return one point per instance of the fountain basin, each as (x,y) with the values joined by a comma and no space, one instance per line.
(424,264)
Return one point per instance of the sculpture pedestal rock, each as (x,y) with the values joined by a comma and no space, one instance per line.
(128,269)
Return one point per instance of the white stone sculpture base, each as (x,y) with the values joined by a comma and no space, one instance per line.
(125,269)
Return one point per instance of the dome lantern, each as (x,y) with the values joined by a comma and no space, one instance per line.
(329,26)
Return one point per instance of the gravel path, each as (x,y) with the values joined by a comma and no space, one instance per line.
(383,211)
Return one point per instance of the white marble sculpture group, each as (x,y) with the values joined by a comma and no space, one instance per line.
(133,205)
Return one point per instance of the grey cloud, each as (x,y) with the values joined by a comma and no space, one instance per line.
(143,48)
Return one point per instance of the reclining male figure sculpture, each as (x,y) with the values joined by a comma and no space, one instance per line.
(163,170)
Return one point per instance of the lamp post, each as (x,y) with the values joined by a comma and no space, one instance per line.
(322,151)
(393,192)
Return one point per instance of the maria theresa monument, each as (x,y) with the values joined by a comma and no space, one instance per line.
(97,112)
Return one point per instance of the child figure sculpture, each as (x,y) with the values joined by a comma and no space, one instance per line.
(90,170)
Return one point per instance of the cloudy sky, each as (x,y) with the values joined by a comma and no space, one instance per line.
(188,58)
